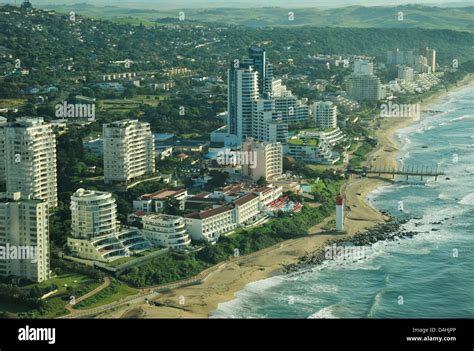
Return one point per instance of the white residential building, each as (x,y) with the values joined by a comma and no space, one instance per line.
(28,159)
(268,161)
(325,114)
(96,233)
(166,231)
(242,92)
(24,227)
(266,125)
(109,247)
(129,151)
(310,150)
(93,213)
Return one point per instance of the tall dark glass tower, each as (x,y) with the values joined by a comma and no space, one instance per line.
(258,57)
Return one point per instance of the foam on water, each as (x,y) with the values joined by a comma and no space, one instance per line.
(467,200)
(324,313)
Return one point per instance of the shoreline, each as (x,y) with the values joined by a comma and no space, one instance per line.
(220,283)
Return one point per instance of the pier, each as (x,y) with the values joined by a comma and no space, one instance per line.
(417,171)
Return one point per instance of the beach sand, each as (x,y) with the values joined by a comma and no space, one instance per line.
(219,283)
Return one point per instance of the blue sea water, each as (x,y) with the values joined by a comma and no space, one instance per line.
(428,276)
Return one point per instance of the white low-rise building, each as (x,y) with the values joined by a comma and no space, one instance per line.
(109,247)
(166,231)
(150,203)
(310,150)
(268,194)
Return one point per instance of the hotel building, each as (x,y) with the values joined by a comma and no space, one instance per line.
(210,224)
(246,209)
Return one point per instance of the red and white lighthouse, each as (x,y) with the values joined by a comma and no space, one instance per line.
(339,213)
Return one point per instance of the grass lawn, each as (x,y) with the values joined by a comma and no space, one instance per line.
(319,168)
(69,280)
(114,292)
(54,304)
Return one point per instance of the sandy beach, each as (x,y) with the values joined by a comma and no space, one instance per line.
(219,283)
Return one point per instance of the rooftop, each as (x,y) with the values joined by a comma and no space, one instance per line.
(209,213)
(244,199)
(162,194)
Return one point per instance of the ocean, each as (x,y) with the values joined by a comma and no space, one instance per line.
(428,276)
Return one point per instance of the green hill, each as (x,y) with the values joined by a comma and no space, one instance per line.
(414,16)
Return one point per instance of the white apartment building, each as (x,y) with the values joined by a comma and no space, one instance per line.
(109,247)
(242,92)
(310,150)
(209,225)
(325,114)
(93,213)
(266,126)
(96,232)
(129,151)
(166,231)
(290,109)
(24,237)
(28,159)
(268,161)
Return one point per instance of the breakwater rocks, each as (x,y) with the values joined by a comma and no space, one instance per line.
(390,230)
